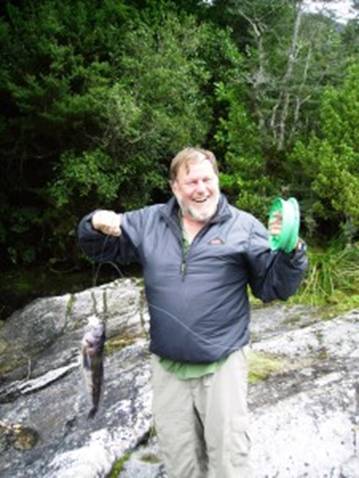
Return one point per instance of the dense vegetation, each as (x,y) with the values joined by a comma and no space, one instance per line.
(97,96)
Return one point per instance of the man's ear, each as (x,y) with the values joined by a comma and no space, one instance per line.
(173,186)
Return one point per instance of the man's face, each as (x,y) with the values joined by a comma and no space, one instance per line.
(197,190)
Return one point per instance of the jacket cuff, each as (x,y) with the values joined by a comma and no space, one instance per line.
(299,251)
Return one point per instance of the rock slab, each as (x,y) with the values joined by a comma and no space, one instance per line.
(305,414)
(305,417)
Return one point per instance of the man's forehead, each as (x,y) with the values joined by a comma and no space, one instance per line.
(196,165)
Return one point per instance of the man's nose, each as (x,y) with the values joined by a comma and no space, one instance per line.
(200,186)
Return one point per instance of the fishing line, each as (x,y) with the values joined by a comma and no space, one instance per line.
(98,269)
(99,266)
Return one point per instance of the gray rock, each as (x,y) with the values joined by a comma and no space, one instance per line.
(45,392)
(305,415)
(45,334)
(145,462)
(69,444)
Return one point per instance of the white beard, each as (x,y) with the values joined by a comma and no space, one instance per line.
(200,214)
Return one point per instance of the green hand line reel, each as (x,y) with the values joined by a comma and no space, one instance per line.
(288,238)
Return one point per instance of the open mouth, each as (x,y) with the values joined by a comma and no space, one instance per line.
(200,201)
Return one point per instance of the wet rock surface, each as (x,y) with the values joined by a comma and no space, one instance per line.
(306,419)
(42,389)
(305,415)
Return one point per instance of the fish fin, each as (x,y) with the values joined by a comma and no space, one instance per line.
(86,362)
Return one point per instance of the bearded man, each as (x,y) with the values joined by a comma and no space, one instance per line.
(199,256)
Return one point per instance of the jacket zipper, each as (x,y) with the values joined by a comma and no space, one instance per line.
(174,227)
(183,268)
(184,263)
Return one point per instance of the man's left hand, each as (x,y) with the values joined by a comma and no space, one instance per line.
(275,224)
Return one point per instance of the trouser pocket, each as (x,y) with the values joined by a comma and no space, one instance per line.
(239,442)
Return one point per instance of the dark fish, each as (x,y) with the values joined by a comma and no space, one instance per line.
(92,350)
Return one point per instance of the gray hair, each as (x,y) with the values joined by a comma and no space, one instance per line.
(189,155)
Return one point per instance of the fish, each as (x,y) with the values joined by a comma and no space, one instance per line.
(92,355)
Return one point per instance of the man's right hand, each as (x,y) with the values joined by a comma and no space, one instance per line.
(107,222)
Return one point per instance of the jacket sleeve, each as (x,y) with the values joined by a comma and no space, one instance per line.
(103,248)
(273,275)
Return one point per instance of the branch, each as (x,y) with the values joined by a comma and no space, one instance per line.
(293,52)
(300,102)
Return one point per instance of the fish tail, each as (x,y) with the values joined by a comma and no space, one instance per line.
(92,412)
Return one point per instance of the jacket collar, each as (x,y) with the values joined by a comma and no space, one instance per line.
(170,210)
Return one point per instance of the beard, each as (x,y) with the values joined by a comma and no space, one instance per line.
(201,213)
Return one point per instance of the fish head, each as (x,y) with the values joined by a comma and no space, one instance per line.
(94,338)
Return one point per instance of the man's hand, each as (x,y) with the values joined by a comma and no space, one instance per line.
(107,222)
(275,224)
(275,228)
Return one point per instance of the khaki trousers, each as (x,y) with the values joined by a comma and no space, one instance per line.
(202,424)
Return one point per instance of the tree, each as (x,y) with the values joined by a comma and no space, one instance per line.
(57,60)
(329,161)
(146,113)
(97,97)
(289,58)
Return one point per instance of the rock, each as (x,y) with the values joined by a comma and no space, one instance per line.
(45,335)
(45,393)
(69,444)
(145,462)
(305,409)
(304,417)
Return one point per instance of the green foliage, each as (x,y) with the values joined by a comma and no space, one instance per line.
(97,96)
(78,176)
(150,108)
(96,101)
(350,36)
(55,71)
(263,365)
(16,224)
(245,177)
(333,277)
(118,466)
(288,57)
(329,162)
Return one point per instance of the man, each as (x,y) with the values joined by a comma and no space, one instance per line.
(198,254)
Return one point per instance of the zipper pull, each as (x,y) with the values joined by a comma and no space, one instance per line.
(183,268)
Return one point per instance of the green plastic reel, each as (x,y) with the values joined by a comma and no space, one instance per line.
(288,238)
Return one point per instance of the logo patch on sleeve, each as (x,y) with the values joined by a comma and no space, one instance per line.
(217,241)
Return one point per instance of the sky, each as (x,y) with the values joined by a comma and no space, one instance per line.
(341,8)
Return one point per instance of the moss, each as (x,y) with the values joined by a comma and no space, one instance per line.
(3,346)
(150,458)
(18,436)
(118,466)
(119,342)
(25,438)
(70,305)
(263,365)
(254,302)
(293,320)
(323,354)
(11,364)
